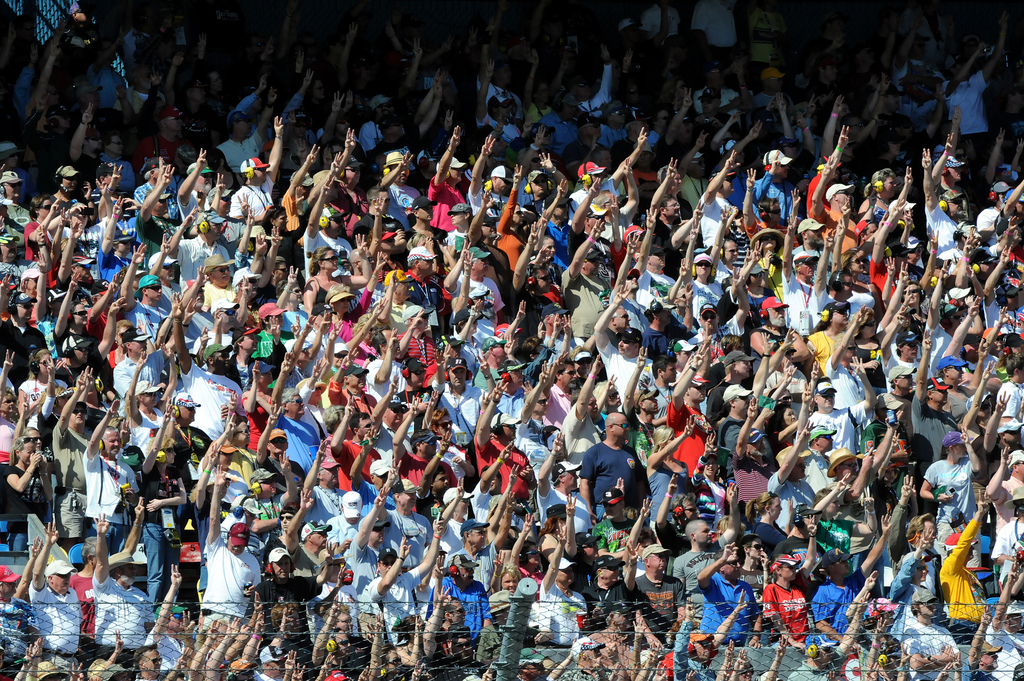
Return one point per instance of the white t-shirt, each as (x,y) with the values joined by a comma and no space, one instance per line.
(849,391)
(619,367)
(103,480)
(801,298)
(556,613)
(653,286)
(1008,540)
(211,392)
(120,610)
(845,421)
(712,219)
(401,202)
(939,223)
(58,618)
(967,96)
(338,243)
(1014,391)
(582,518)
(399,601)
(225,592)
(259,199)
(928,641)
(146,430)
(715,18)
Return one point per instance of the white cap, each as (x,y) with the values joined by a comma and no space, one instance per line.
(352,505)
(31,273)
(277,554)
(776,156)
(156,257)
(223,304)
(60,567)
(450,495)
(244,273)
(835,189)
(565,564)
(380,468)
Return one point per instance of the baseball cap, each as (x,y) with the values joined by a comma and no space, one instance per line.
(734,392)
(238,535)
(277,554)
(352,505)
(613,495)
(59,567)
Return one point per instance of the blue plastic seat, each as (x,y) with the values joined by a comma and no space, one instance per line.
(75,555)
(986,545)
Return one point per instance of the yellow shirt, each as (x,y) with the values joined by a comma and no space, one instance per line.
(960,587)
(823,347)
(212,294)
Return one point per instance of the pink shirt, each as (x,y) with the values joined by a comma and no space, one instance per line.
(558,406)
(446,196)
(1005,515)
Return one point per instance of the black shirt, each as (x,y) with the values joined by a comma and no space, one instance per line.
(160,486)
(31,501)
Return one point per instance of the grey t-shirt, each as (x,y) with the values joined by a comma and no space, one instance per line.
(956,480)
(484,572)
(416,528)
(688,566)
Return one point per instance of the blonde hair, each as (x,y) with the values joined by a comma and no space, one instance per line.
(315,258)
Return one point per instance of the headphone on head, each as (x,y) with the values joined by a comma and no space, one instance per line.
(878,186)
(102,445)
(204,226)
(587,179)
(529,186)
(34,367)
(813,651)
(177,411)
(249,173)
(489,185)
(325,220)
(826,315)
(405,372)
(944,205)
(255,488)
(161,456)
(453,571)
(835,285)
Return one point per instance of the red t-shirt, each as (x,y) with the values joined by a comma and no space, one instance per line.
(692,448)
(791,607)
(411,468)
(446,196)
(257,424)
(346,455)
(83,587)
(487,455)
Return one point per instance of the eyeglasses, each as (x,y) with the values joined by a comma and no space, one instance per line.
(80,313)
(32,439)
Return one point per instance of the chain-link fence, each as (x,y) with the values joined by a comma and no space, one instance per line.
(505,635)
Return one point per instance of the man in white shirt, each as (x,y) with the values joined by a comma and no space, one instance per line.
(121,609)
(192,253)
(395,590)
(803,289)
(58,612)
(927,647)
(232,570)
(555,484)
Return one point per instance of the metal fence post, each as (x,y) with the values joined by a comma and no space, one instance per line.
(514,630)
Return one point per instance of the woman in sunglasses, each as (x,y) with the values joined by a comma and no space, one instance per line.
(27,487)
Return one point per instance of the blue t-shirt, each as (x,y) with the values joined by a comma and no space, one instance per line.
(474,599)
(831,601)
(720,599)
(603,466)
(368,494)
(303,441)
(111,264)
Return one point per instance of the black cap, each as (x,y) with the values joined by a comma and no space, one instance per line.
(422,202)
(356,370)
(387,556)
(606,562)
(551,308)
(585,539)
(460,316)
(630,335)
(414,364)
(458,363)
(556,511)
(398,406)
(381,524)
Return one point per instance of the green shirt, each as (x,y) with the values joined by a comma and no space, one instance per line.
(611,535)
(834,534)
(151,233)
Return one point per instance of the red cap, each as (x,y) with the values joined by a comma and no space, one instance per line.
(388,235)
(632,229)
(936,384)
(7,575)
(252,330)
(590,168)
(773,303)
(337,675)
(699,380)
(270,310)
(239,535)
(258,163)
(168,112)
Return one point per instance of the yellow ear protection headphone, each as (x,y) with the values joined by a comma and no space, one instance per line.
(325,219)
(489,186)
(204,226)
(878,187)
(255,488)
(529,186)
(161,456)
(249,173)
(826,315)
(177,411)
(102,445)
(587,179)
(813,651)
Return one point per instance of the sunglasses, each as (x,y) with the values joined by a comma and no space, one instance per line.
(34,439)
(80,313)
